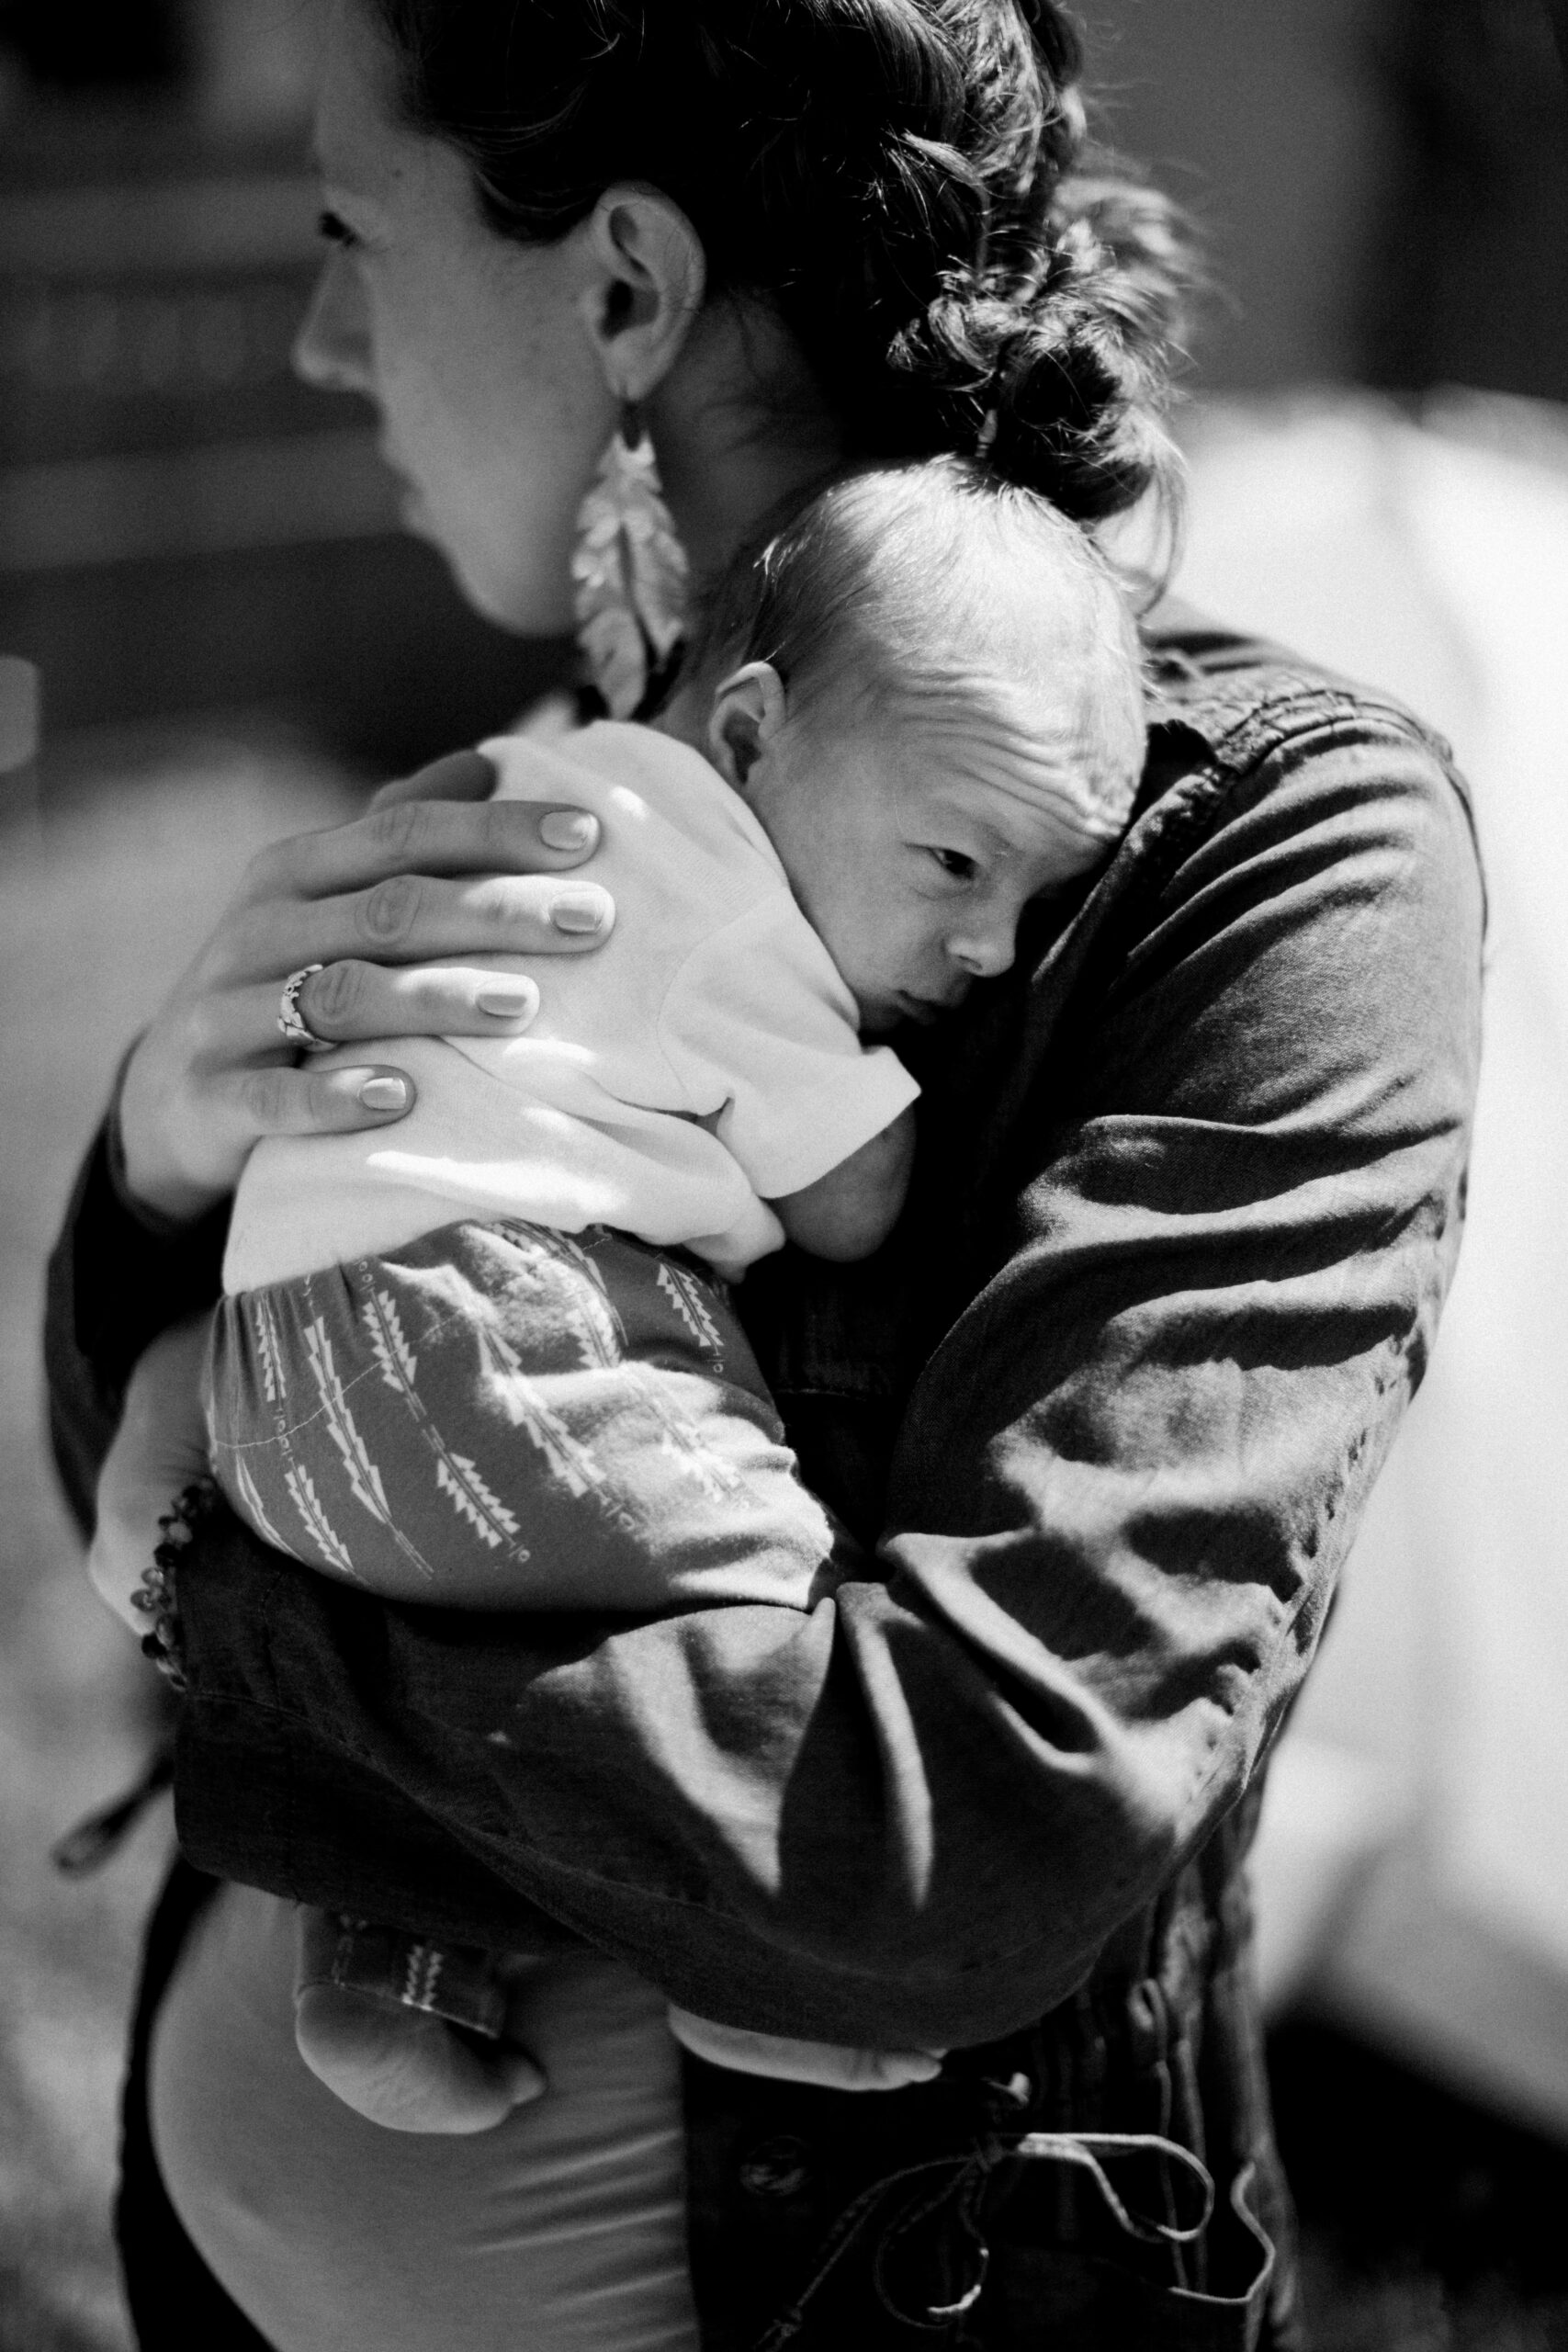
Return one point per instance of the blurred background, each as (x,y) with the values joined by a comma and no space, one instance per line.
(199,561)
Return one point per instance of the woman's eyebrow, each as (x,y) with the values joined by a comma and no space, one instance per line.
(338,194)
(332,164)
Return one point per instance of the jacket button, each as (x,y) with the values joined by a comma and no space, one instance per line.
(779,2167)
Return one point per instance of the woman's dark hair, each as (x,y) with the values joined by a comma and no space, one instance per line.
(903,181)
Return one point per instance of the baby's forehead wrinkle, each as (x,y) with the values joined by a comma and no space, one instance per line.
(996,744)
(1002,769)
(1007,718)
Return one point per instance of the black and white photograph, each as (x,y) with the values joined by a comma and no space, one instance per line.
(892,1675)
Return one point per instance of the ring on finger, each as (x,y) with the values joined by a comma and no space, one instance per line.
(292,1022)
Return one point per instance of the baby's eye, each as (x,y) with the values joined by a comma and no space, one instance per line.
(954,861)
(335,230)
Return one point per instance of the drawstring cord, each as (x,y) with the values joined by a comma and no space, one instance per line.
(967,2179)
(1086,2148)
(842,2235)
(95,1838)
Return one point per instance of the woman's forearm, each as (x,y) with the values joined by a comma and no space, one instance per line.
(618,1788)
(116,1280)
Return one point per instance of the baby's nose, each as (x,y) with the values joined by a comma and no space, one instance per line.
(984,955)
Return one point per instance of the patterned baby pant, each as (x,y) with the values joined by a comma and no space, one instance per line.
(504,1417)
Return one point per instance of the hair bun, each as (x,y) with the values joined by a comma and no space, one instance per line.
(1065,379)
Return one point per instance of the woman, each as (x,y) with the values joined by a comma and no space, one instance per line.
(1098,1420)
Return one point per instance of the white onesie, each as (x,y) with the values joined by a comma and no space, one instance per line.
(703,1060)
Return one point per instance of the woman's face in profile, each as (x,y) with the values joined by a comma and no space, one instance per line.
(492,404)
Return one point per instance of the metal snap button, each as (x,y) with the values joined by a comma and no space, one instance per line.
(780,2167)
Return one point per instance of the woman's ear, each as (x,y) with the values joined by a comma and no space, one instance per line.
(648,275)
(747,712)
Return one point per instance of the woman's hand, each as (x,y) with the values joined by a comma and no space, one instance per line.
(159,1450)
(435,868)
(829,2064)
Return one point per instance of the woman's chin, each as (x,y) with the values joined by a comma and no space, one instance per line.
(530,598)
(522,605)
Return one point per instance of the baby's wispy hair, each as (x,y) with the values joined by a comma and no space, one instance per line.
(875,589)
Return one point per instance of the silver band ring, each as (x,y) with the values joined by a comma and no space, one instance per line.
(291,1021)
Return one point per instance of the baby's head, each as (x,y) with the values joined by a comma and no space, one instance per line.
(928,688)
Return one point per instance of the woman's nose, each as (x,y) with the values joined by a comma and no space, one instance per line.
(332,349)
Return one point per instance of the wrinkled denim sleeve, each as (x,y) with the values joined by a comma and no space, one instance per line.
(116,1278)
(1211,1225)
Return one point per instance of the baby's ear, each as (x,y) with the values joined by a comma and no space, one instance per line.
(747,712)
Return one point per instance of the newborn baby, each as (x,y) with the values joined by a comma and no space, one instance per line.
(482,1360)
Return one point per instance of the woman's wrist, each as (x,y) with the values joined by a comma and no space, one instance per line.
(163,1211)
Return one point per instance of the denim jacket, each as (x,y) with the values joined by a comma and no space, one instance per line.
(1098,1423)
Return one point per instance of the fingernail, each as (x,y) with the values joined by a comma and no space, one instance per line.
(578,910)
(507,1003)
(562,830)
(385,1094)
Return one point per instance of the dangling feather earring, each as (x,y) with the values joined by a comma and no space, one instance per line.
(630,573)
